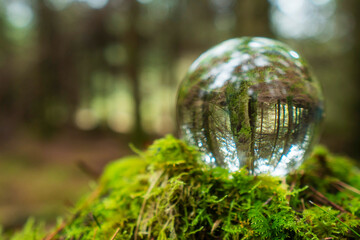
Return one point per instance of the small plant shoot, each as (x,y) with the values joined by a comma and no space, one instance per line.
(251,102)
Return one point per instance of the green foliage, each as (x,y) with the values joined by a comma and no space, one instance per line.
(168,193)
(30,231)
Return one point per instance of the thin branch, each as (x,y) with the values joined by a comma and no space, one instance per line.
(267,201)
(292,186)
(114,236)
(303,204)
(85,168)
(215,225)
(96,229)
(53,234)
(325,200)
(348,187)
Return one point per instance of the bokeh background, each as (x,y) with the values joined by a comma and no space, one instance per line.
(81,79)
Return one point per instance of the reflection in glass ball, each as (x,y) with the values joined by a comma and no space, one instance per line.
(251,102)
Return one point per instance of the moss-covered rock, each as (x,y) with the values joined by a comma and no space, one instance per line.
(166,192)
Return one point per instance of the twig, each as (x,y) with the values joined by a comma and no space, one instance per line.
(325,200)
(96,229)
(356,233)
(85,168)
(53,234)
(338,187)
(215,225)
(348,187)
(291,189)
(303,203)
(267,201)
(114,236)
(61,227)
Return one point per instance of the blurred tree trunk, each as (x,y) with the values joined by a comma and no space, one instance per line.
(8,117)
(356,73)
(132,43)
(55,87)
(252,18)
(352,8)
(46,78)
(173,43)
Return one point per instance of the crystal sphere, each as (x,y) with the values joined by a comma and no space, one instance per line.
(251,102)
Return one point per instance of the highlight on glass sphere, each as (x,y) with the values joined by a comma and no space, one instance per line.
(251,102)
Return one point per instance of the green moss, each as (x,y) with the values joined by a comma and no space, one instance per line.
(30,231)
(168,193)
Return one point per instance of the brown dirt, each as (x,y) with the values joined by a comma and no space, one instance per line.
(41,178)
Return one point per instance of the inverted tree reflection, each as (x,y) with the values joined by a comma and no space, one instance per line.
(257,107)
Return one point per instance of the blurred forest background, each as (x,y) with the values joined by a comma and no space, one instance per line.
(81,79)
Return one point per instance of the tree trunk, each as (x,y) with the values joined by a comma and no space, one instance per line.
(132,42)
(253,18)
(353,8)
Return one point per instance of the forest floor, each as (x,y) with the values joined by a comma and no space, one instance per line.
(42,178)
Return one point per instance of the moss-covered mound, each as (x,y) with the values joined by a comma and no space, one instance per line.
(168,193)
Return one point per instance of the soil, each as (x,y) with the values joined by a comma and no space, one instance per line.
(43,177)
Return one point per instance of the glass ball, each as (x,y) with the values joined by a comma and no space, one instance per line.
(251,102)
